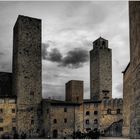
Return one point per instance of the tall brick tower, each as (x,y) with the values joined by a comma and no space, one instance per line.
(134,17)
(27,82)
(100,70)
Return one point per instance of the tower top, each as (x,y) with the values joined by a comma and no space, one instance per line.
(100,43)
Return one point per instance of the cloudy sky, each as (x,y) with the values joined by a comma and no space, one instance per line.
(68,30)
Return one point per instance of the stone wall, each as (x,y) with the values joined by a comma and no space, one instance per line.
(110,111)
(127,99)
(134,17)
(61,117)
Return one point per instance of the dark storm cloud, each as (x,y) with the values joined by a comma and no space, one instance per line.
(75,58)
(55,55)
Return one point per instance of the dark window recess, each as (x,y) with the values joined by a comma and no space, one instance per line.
(13,110)
(54,121)
(95,112)
(65,109)
(1,128)
(65,120)
(14,128)
(87,113)
(1,110)
(87,121)
(77,98)
(95,121)
(88,129)
(118,111)
(47,110)
(109,111)
(32,93)
(26,77)
(32,121)
(13,120)
(1,120)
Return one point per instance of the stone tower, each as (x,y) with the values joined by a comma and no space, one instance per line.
(74,91)
(27,67)
(134,17)
(100,70)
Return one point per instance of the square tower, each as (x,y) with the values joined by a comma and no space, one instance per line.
(74,91)
(27,67)
(100,70)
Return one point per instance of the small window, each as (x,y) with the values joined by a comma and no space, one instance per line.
(32,93)
(95,112)
(109,111)
(13,120)
(1,128)
(77,98)
(1,120)
(118,111)
(87,113)
(13,110)
(32,121)
(87,121)
(65,109)
(1,110)
(54,121)
(95,121)
(47,110)
(65,120)
(14,128)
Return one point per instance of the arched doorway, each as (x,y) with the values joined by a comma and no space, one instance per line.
(55,133)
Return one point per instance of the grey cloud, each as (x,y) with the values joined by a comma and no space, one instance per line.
(55,55)
(1,53)
(75,58)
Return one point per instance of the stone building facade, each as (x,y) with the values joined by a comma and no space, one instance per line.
(132,74)
(101,111)
(7,115)
(37,117)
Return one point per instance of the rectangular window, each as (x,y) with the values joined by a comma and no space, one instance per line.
(32,93)
(65,109)
(13,120)
(1,110)
(1,120)
(1,128)
(13,110)
(32,121)
(65,120)
(14,128)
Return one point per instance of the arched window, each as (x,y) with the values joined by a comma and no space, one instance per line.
(87,121)
(54,121)
(87,113)
(95,112)
(55,133)
(95,121)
